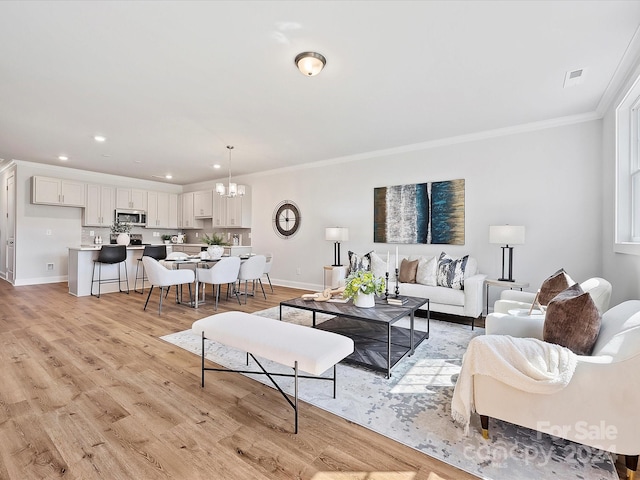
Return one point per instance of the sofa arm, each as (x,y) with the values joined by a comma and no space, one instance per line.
(516,326)
(473,295)
(503,306)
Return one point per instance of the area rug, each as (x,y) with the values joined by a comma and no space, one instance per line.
(414,407)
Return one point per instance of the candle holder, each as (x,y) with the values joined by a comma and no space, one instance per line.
(386,285)
(397,287)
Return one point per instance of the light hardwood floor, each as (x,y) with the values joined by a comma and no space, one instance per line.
(89,391)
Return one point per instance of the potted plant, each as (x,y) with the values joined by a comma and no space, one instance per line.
(362,285)
(166,239)
(122,229)
(216,243)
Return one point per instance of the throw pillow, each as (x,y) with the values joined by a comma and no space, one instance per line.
(450,271)
(359,262)
(572,320)
(408,271)
(378,264)
(427,268)
(553,285)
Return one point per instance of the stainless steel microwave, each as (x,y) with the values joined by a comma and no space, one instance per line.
(136,218)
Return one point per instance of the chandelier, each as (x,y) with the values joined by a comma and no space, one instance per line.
(231,189)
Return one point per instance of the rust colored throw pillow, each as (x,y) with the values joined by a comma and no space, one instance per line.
(553,285)
(408,271)
(572,320)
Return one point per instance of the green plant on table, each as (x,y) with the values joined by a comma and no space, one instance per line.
(214,239)
(363,281)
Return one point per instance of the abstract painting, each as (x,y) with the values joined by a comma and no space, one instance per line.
(430,212)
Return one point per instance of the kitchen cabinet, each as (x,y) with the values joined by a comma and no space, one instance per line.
(188,219)
(233,212)
(100,206)
(57,191)
(203,204)
(131,198)
(162,210)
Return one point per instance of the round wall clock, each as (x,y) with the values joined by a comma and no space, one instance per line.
(286,219)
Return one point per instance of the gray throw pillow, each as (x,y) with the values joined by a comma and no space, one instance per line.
(450,271)
(359,262)
(572,320)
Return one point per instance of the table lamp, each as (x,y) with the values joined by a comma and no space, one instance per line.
(508,235)
(336,235)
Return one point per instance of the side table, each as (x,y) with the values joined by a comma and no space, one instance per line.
(494,282)
(333,274)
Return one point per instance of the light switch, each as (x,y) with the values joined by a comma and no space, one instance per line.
(48,232)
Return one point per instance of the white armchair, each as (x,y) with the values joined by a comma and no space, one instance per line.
(160,276)
(598,407)
(500,322)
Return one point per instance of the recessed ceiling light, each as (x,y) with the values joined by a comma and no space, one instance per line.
(99,138)
(168,177)
(216,166)
(64,158)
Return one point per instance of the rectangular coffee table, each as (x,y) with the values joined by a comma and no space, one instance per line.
(379,344)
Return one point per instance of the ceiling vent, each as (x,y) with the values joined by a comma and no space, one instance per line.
(574,77)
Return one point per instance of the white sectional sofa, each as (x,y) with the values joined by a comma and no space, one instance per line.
(467,302)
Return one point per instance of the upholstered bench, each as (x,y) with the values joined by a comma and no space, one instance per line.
(296,346)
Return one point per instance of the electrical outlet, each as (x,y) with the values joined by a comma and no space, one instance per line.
(92,233)
(48,231)
(298,271)
(156,234)
(196,234)
(50,267)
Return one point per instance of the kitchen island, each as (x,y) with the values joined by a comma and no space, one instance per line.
(81,269)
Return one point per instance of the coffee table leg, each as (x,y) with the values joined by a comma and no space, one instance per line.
(388,350)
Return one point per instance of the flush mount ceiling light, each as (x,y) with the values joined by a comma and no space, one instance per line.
(99,138)
(63,158)
(310,63)
(231,189)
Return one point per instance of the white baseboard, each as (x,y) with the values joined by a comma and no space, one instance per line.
(303,286)
(40,281)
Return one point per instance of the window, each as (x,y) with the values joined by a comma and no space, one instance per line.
(627,233)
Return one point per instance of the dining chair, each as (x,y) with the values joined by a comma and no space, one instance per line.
(224,271)
(252,270)
(160,276)
(159,252)
(110,255)
(267,268)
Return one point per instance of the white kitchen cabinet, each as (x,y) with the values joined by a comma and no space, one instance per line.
(57,191)
(188,218)
(100,206)
(131,198)
(233,212)
(162,210)
(203,204)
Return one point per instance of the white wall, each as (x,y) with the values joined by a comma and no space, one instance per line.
(34,249)
(548,180)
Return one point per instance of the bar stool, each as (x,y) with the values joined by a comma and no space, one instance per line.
(110,255)
(159,252)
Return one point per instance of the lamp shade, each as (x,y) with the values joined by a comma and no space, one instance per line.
(337,234)
(506,234)
(310,63)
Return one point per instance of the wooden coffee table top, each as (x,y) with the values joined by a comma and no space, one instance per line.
(382,312)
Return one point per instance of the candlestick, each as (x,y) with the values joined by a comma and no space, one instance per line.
(396,258)
(386,283)
(397,288)
(387,263)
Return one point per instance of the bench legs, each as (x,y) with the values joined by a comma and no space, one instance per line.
(270,375)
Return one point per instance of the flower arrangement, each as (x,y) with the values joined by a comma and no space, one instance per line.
(363,281)
(214,239)
(121,227)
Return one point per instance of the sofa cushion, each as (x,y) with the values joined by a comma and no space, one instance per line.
(359,261)
(572,320)
(553,285)
(427,270)
(451,271)
(436,295)
(408,271)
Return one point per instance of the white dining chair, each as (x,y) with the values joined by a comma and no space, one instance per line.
(224,271)
(252,270)
(267,268)
(160,276)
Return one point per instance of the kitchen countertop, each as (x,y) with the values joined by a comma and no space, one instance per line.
(98,247)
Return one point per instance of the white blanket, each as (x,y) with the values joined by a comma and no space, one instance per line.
(527,364)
